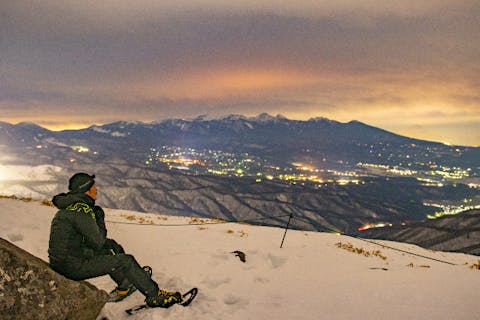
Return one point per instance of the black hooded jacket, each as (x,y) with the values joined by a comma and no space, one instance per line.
(77,230)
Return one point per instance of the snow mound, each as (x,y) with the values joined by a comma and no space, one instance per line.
(314,276)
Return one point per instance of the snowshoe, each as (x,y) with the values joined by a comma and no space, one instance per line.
(164,299)
(184,301)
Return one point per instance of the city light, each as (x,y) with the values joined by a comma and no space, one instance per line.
(375,225)
(222,163)
(450,209)
(80,149)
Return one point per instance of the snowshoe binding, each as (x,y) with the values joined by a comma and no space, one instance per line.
(164,299)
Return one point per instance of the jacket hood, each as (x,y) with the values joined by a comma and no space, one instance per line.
(63,200)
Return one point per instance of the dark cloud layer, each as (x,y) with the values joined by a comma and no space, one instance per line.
(368,60)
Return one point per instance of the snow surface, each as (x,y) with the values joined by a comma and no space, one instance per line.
(311,277)
(30,181)
(106,131)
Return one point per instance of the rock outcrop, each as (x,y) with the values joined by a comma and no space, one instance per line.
(30,289)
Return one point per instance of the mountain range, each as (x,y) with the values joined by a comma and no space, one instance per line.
(319,141)
(117,154)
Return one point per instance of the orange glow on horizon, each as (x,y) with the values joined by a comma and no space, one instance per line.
(221,83)
(65,126)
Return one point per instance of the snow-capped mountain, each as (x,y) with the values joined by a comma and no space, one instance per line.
(116,152)
(314,276)
(318,141)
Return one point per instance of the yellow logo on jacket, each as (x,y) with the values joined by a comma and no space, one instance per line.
(81,207)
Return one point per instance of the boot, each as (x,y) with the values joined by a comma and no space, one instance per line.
(164,299)
(118,294)
(126,288)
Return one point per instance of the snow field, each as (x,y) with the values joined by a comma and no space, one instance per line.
(312,277)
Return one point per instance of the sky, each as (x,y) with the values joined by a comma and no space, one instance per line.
(411,67)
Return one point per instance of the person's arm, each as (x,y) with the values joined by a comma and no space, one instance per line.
(88,228)
(109,244)
(100,219)
(112,245)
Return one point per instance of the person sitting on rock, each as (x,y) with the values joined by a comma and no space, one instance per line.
(79,248)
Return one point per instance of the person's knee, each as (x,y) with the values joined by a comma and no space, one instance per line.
(127,260)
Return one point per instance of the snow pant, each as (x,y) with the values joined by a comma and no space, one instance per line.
(122,268)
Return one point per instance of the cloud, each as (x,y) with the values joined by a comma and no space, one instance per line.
(370,60)
(78,40)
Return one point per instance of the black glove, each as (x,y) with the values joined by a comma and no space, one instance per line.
(113,246)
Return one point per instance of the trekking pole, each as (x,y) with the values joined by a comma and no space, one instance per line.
(286,229)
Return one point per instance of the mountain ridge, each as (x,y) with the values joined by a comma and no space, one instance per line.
(315,141)
(458,233)
(261,118)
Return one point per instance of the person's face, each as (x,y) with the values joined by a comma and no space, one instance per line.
(93,192)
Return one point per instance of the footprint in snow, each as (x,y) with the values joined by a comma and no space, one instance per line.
(14,237)
(214,283)
(231,299)
(262,280)
(218,258)
(276,261)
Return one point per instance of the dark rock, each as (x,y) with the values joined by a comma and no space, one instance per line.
(30,289)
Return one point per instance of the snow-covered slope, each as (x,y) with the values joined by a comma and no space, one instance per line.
(314,276)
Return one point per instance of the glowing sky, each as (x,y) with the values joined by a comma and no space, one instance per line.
(411,67)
